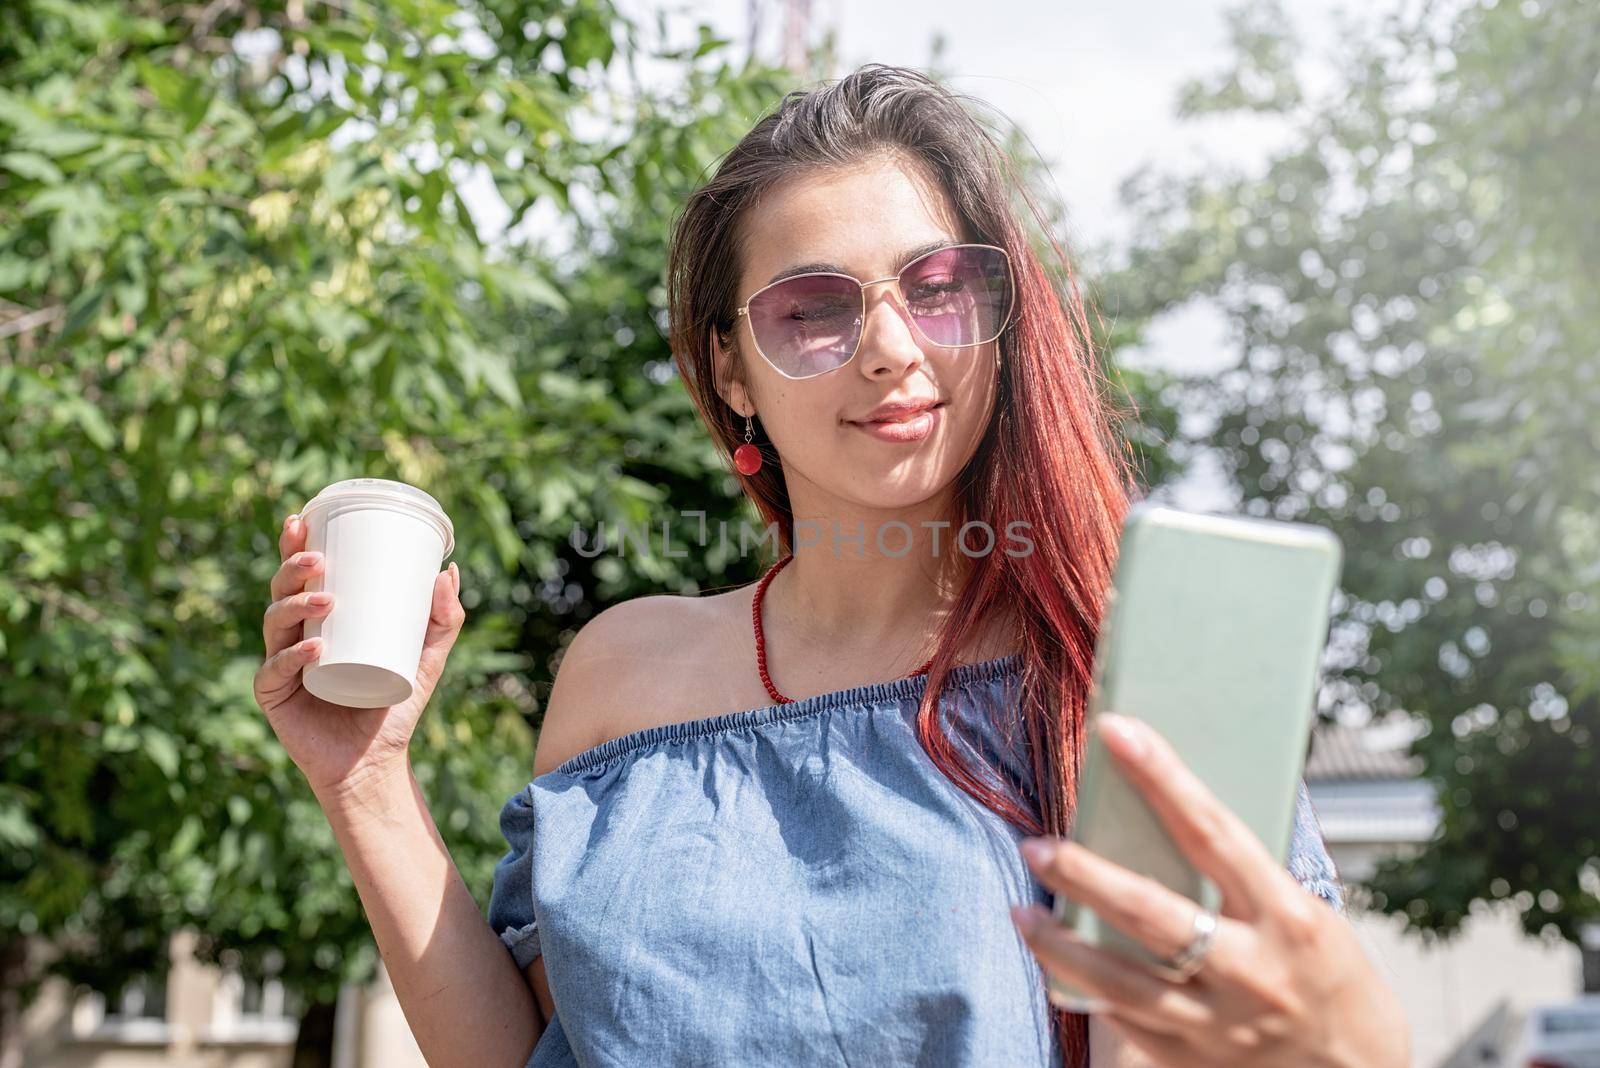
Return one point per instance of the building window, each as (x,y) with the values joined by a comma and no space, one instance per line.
(252,1004)
(137,1013)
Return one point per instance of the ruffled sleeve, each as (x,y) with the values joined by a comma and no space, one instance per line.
(511,901)
(1309,861)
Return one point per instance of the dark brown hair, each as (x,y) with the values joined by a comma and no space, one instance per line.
(1052,418)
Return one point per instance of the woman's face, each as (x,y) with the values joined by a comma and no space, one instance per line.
(867,220)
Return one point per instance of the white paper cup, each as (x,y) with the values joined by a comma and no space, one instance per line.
(383,543)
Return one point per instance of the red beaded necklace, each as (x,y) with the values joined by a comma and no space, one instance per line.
(761,641)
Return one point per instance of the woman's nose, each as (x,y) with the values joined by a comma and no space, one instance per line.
(888,339)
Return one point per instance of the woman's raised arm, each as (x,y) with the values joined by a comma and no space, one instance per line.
(463,995)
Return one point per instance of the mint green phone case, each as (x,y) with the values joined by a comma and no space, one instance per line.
(1214,636)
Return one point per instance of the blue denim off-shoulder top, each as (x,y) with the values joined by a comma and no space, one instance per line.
(792,885)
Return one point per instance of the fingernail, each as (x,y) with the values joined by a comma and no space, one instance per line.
(1039,850)
(321,598)
(307,560)
(313,646)
(1123,734)
(1024,918)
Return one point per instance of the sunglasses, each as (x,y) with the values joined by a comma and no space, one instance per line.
(809,324)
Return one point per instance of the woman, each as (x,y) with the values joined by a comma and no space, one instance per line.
(753,835)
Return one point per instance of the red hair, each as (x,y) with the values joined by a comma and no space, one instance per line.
(1053,419)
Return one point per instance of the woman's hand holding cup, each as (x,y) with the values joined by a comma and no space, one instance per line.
(339,747)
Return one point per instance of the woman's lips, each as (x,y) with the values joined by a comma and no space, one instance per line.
(916,428)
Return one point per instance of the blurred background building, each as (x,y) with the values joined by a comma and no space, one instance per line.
(1461,995)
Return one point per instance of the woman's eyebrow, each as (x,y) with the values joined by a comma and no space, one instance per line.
(904,258)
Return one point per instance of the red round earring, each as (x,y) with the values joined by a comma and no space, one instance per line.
(747,458)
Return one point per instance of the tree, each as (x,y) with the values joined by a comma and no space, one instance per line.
(1409,287)
(237,266)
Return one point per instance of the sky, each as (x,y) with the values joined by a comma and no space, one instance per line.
(1092,84)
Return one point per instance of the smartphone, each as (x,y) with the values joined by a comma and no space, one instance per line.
(1213,636)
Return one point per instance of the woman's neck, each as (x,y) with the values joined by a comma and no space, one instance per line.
(848,601)
(861,602)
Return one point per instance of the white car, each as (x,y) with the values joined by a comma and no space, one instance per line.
(1560,1036)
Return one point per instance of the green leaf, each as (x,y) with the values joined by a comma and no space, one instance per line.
(58,142)
(501,528)
(478,363)
(14,273)
(162,751)
(176,91)
(188,836)
(525,283)
(17,831)
(82,309)
(92,421)
(32,165)
(709,42)
(502,381)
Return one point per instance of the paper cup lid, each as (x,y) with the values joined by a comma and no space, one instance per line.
(388,492)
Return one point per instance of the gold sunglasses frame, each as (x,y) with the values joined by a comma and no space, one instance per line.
(1011,306)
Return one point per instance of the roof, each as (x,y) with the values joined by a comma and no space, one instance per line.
(1364,786)
(1362,754)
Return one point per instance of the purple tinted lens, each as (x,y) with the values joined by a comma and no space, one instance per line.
(808,324)
(959,296)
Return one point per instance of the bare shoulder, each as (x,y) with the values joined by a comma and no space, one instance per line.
(631,664)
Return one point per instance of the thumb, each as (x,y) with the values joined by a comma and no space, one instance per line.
(444,626)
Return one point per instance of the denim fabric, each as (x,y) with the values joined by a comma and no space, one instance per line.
(790,885)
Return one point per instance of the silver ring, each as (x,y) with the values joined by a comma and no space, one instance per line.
(1188,960)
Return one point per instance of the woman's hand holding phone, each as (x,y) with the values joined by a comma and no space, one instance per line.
(1285,981)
